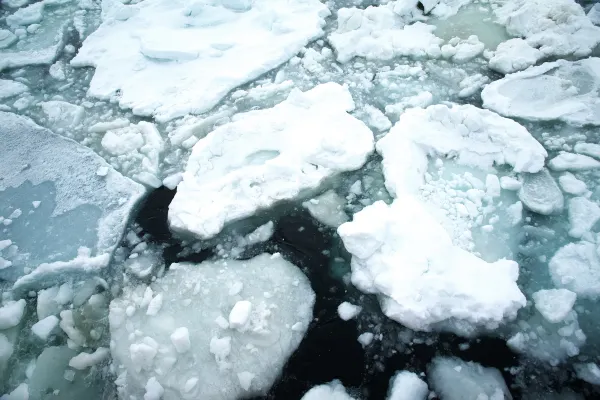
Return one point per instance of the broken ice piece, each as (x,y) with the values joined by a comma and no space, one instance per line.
(347,311)
(43,328)
(240,314)
(181,339)
(541,194)
(554,304)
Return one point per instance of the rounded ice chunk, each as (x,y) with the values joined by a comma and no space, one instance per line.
(554,304)
(329,391)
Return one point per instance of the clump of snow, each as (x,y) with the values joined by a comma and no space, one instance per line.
(552,27)
(576,266)
(328,208)
(268,156)
(347,311)
(402,254)
(454,379)
(329,391)
(583,215)
(382,33)
(11,314)
(239,357)
(85,360)
(407,385)
(571,185)
(554,304)
(168,59)
(514,55)
(34,164)
(565,90)
(44,327)
(462,50)
(541,194)
(475,137)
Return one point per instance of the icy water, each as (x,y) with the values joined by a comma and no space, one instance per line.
(342,200)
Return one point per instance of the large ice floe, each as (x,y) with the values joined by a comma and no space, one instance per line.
(542,29)
(267,156)
(563,90)
(217,330)
(53,182)
(169,58)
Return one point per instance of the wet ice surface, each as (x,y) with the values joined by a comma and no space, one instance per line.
(422,176)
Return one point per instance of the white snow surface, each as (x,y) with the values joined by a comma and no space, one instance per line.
(565,90)
(32,155)
(198,297)
(576,266)
(407,385)
(405,256)
(267,156)
(454,379)
(555,27)
(383,32)
(328,391)
(554,304)
(169,58)
(475,137)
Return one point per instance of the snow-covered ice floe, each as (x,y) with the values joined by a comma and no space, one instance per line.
(267,156)
(542,28)
(168,58)
(576,266)
(216,330)
(53,182)
(405,256)
(454,379)
(563,90)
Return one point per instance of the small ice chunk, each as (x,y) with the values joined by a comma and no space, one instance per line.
(347,311)
(365,339)
(328,208)
(554,304)
(376,119)
(21,392)
(576,266)
(245,379)
(85,360)
(573,162)
(541,194)
(588,149)
(329,391)
(583,215)
(7,38)
(492,184)
(181,340)
(594,14)
(510,183)
(10,88)
(407,385)
(6,349)
(155,305)
(514,55)
(454,379)
(154,390)
(45,327)
(571,185)
(11,314)
(589,372)
(240,314)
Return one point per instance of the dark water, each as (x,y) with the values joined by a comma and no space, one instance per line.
(330,349)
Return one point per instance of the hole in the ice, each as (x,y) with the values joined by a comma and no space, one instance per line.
(260,157)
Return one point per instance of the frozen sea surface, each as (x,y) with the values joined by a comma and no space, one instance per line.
(300,199)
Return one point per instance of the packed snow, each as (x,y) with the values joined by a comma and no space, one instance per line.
(241,340)
(169,58)
(268,156)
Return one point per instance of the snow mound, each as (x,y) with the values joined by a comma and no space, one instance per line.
(238,320)
(51,181)
(383,32)
(557,28)
(169,58)
(565,90)
(329,391)
(475,137)
(576,266)
(541,194)
(405,256)
(454,379)
(267,156)
(407,386)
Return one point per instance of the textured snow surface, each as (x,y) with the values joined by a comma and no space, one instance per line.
(454,379)
(474,137)
(383,32)
(553,27)
(237,360)
(407,385)
(402,254)
(328,391)
(168,58)
(576,267)
(564,90)
(39,165)
(267,156)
